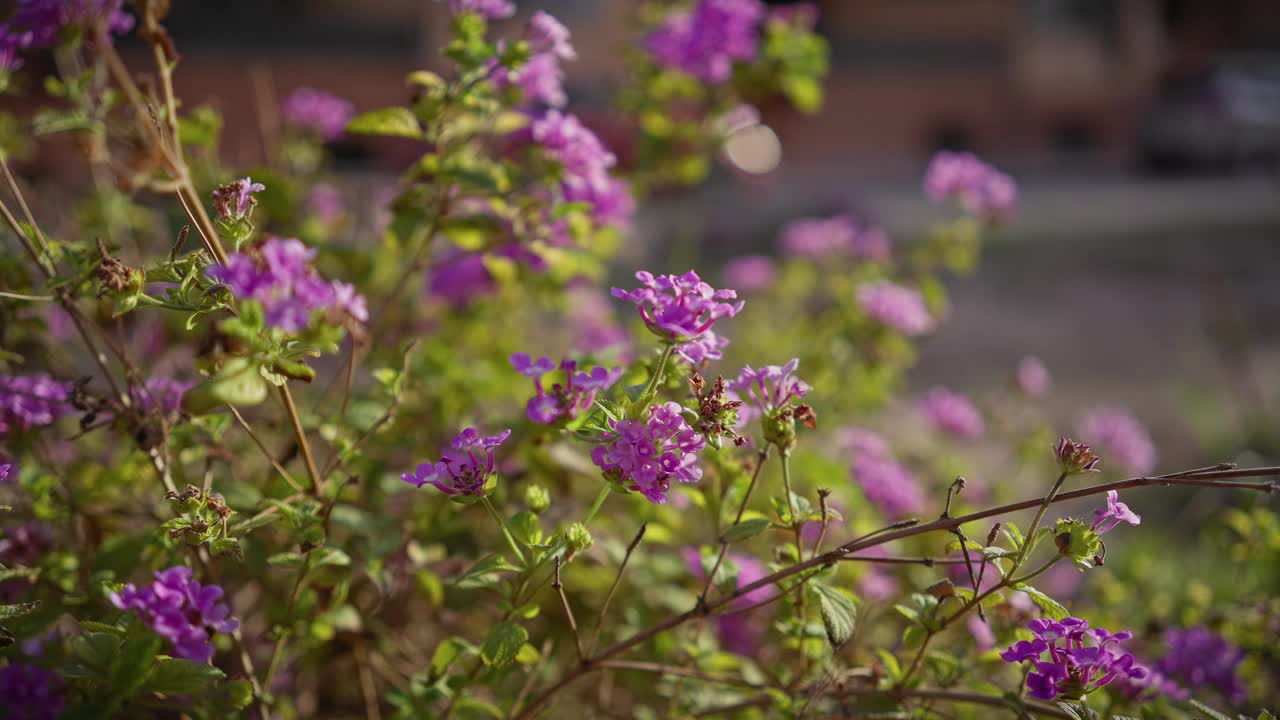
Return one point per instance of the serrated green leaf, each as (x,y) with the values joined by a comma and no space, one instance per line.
(839,613)
(1214,714)
(176,676)
(1052,609)
(503,644)
(17,610)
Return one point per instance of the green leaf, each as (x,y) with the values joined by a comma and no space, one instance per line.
(525,526)
(472,708)
(17,610)
(746,529)
(1012,532)
(134,663)
(392,122)
(93,626)
(1052,609)
(237,383)
(15,573)
(175,676)
(528,655)
(484,573)
(503,644)
(447,652)
(838,613)
(890,663)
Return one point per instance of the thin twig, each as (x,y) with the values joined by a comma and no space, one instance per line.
(568,611)
(267,453)
(604,608)
(761,457)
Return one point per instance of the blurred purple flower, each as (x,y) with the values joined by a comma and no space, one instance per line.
(1033,377)
(1120,439)
(491,9)
(887,485)
(460,278)
(37,24)
(896,306)
(29,692)
(771,387)
(953,413)
(818,237)
(563,401)
(160,393)
(706,41)
(28,401)
(978,187)
(703,349)
(750,273)
(585,164)
(279,275)
(737,632)
(1201,658)
(325,203)
(317,111)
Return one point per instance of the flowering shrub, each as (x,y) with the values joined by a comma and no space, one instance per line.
(207,509)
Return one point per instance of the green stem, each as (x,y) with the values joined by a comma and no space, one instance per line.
(595,506)
(1035,524)
(785,458)
(651,388)
(146,299)
(502,524)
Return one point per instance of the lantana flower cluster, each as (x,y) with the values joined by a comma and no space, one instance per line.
(1121,437)
(278,274)
(837,235)
(953,413)
(978,187)
(885,483)
(322,113)
(464,471)
(540,78)
(28,401)
(585,163)
(706,41)
(679,308)
(646,455)
(181,610)
(896,306)
(563,401)
(36,24)
(1069,658)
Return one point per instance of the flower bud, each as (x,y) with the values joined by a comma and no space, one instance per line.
(189,500)
(1075,457)
(578,537)
(536,498)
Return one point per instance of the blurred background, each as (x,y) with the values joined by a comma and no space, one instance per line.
(1142,265)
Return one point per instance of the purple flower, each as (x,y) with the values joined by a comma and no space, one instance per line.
(278,274)
(593,322)
(975,185)
(460,278)
(646,455)
(29,692)
(1121,438)
(1033,378)
(181,610)
(771,387)
(7,469)
(161,394)
(899,307)
(703,349)
(679,308)
(325,202)
(887,485)
(1077,657)
(706,41)
(1201,658)
(862,442)
(563,401)
(585,164)
(464,469)
(319,112)
(37,24)
(737,633)
(28,401)
(818,237)
(546,34)
(1116,513)
(235,200)
(750,273)
(953,413)
(492,9)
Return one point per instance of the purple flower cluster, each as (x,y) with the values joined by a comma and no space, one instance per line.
(885,483)
(750,273)
(1121,438)
(703,349)
(646,455)
(1201,658)
(771,387)
(36,24)
(464,469)
(325,202)
(161,394)
(838,235)
(316,111)
(540,79)
(679,308)
(706,41)
(180,610)
(492,9)
(279,275)
(563,402)
(29,692)
(1033,377)
(953,413)
(1115,513)
(28,401)
(896,306)
(585,164)
(737,632)
(975,185)
(1072,665)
